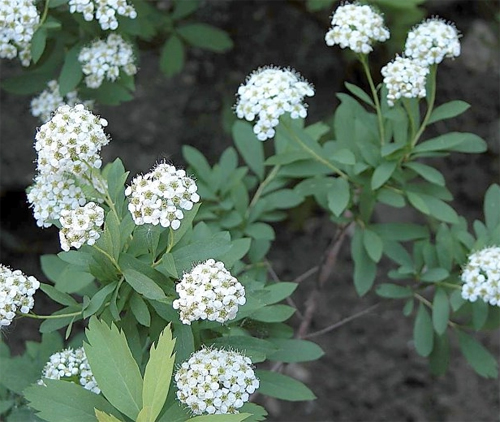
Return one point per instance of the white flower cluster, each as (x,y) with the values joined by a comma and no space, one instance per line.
(159,196)
(431,41)
(105,11)
(267,94)
(404,77)
(16,293)
(481,276)
(357,27)
(71,364)
(104,59)
(210,292)
(81,225)
(68,147)
(18,21)
(215,381)
(50,99)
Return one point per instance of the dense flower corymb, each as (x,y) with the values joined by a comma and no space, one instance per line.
(215,381)
(18,21)
(71,364)
(267,94)
(105,11)
(159,196)
(404,78)
(210,292)
(50,99)
(81,225)
(105,59)
(16,293)
(70,141)
(431,41)
(356,27)
(481,276)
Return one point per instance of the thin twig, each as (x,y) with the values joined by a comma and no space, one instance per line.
(307,274)
(341,322)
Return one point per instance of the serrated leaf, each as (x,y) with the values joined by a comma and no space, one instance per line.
(113,367)
(440,311)
(250,148)
(448,110)
(338,196)
(172,56)
(206,36)
(423,333)
(158,374)
(478,357)
(282,386)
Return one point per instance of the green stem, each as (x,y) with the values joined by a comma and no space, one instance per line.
(406,105)
(314,154)
(44,14)
(429,305)
(452,286)
(430,105)
(258,193)
(108,256)
(35,316)
(363,58)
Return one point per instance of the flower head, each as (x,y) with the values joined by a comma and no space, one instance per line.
(105,59)
(481,276)
(16,293)
(105,11)
(50,99)
(431,41)
(357,27)
(210,292)
(72,364)
(215,381)
(159,196)
(404,78)
(267,94)
(81,225)
(70,141)
(18,21)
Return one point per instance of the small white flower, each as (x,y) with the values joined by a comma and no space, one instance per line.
(104,60)
(357,27)
(268,93)
(70,363)
(81,225)
(209,292)
(16,293)
(405,78)
(18,21)
(105,11)
(215,381)
(431,41)
(50,99)
(481,276)
(160,196)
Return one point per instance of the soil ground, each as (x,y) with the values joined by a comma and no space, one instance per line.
(370,371)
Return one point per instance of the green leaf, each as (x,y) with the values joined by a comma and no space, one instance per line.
(448,110)
(114,368)
(71,72)
(440,311)
(364,268)
(158,373)
(358,92)
(283,199)
(143,284)
(390,197)
(383,173)
(238,417)
(38,42)
(104,417)
(452,141)
(434,275)
(423,333)
(184,8)
(109,93)
(98,299)
(172,56)
(65,401)
(258,412)
(67,278)
(282,386)
(393,291)
(401,231)
(479,314)
(492,207)
(250,148)
(278,291)
(255,348)
(439,359)
(417,202)
(57,296)
(478,357)
(206,36)
(184,342)
(57,3)
(295,350)
(260,231)
(338,196)
(343,156)
(197,161)
(273,313)
(427,172)
(373,245)
(140,309)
